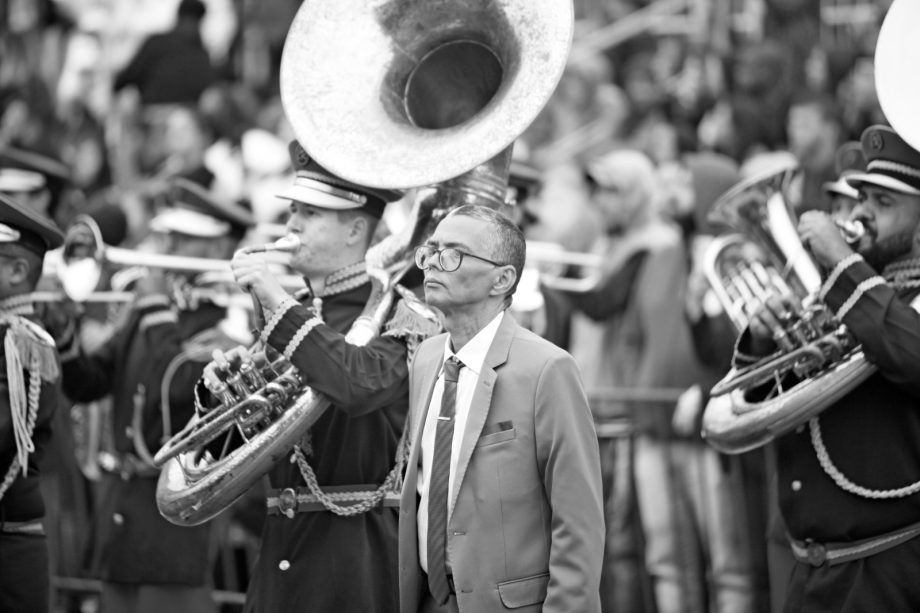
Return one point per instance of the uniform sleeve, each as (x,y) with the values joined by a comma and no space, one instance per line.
(886,325)
(23,500)
(88,377)
(567,451)
(612,293)
(713,340)
(358,379)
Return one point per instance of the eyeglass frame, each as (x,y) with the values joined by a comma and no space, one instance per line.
(439,253)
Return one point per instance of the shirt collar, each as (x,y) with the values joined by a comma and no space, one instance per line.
(473,354)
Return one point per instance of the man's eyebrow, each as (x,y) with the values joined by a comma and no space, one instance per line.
(453,244)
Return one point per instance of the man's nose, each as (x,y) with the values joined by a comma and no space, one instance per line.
(861,212)
(435,262)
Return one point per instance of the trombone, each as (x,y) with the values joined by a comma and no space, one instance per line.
(78,264)
(540,254)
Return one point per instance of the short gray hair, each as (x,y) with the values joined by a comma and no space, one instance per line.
(506,242)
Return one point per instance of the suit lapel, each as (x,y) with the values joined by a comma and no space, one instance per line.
(482,400)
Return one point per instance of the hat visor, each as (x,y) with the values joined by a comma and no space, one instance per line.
(840,187)
(15,180)
(884,181)
(190,223)
(317,198)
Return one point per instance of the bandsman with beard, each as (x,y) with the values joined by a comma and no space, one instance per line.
(849,480)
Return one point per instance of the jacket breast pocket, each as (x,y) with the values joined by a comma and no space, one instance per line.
(523,592)
(493,438)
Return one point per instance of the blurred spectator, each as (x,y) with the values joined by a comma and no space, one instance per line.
(581,118)
(173,67)
(608,340)
(848,160)
(230,111)
(857,96)
(815,130)
(732,127)
(32,179)
(703,540)
(759,80)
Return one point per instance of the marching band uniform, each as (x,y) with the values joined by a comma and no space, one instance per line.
(150,366)
(29,380)
(848,480)
(313,557)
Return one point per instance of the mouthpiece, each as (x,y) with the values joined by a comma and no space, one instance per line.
(288,244)
(852,231)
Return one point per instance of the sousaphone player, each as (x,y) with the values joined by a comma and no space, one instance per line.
(849,480)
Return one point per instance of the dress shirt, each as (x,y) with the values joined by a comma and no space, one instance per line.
(472,355)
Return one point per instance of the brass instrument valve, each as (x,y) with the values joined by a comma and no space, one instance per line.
(251,376)
(220,390)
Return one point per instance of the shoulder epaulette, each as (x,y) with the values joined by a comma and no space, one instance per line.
(412,320)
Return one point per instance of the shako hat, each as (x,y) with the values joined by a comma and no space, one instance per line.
(890,162)
(848,161)
(193,211)
(20,224)
(315,185)
(27,171)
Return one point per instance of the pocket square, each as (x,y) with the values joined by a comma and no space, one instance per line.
(492,428)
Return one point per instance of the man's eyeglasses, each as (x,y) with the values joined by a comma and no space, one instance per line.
(449,258)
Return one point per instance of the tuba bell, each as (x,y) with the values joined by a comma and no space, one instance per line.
(386,93)
(817,361)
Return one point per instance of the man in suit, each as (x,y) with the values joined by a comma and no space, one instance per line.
(501,504)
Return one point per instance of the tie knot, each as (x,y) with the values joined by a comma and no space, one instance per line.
(452,369)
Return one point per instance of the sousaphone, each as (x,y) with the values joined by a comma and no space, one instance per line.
(387,93)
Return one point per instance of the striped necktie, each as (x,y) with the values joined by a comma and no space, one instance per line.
(438,485)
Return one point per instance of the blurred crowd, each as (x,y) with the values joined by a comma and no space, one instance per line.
(663,107)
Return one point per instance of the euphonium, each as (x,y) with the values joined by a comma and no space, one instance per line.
(385,93)
(817,362)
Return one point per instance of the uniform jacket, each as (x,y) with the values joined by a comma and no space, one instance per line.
(872,435)
(318,561)
(527,527)
(23,500)
(135,544)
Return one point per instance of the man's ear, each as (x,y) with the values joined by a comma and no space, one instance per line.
(358,229)
(504,281)
(19,271)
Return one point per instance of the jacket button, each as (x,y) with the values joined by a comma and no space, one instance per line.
(284,565)
(118,519)
(796,485)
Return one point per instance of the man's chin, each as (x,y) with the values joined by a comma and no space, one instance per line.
(884,252)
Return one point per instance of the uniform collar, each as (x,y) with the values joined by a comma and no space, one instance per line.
(339,282)
(903,273)
(17,305)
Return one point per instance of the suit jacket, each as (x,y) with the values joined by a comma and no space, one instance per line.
(527,527)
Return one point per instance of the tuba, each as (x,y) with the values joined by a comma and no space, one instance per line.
(817,361)
(386,93)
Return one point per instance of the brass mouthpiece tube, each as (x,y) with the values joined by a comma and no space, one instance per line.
(852,231)
(288,243)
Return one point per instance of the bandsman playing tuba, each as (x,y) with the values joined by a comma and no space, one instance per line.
(329,542)
(149,366)
(29,380)
(849,480)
